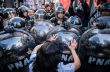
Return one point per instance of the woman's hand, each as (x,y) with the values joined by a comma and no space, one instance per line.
(72,45)
(37,47)
(52,38)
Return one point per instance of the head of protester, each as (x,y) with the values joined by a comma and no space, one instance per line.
(48,58)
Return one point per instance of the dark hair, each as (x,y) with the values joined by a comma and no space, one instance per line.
(48,58)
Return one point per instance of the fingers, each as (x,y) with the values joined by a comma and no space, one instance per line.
(73,44)
(54,36)
(40,44)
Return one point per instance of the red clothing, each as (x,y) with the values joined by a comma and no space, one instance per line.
(65,3)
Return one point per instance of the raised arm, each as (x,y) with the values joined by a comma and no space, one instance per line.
(72,47)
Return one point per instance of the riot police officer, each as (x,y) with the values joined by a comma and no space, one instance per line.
(105,9)
(8,13)
(60,17)
(15,49)
(23,11)
(94,47)
(56,50)
(104,14)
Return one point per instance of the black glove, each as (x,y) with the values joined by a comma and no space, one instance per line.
(9,29)
(101,25)
(66,25)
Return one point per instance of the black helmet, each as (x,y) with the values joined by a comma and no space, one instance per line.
(40,14)
(57,4)
(63,38)
(8,11)
(101,22)
(75,21)
(105,9)
(40,30)
(59,10)
(15,50)
(94,50)
(22,9)
(17,22)
(47,4)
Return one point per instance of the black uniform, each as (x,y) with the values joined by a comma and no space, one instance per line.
(15,49)
(94,47)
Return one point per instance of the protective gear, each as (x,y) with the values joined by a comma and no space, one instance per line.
(63,38)
(15,49)
(40,14)
(47,4)
(9,29)
(59,22)
(101,22)
(40,30)
(105,9)
(17,22)
(9,13)
(21,10)
(1,12)
(60,10)
(57,4)
(75,21)
(94,50)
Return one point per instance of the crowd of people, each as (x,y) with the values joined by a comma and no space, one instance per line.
(51,39)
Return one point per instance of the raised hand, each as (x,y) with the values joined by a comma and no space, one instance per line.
(72,45)
(52,38)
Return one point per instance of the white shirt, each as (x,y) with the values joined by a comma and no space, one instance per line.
(61,67)
(66,68)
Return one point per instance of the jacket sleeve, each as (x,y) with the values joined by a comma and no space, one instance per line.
(31,61)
